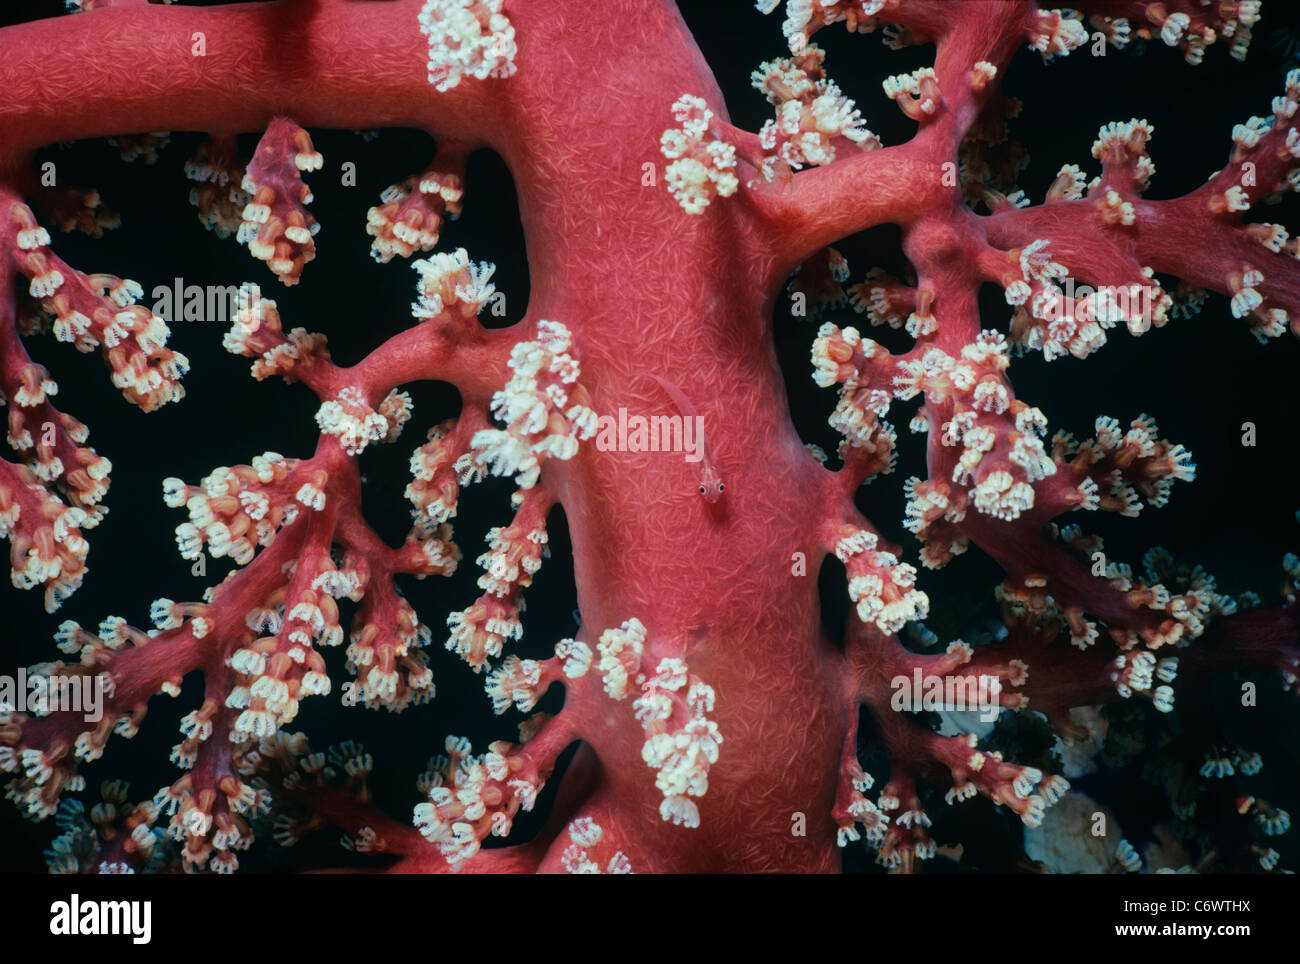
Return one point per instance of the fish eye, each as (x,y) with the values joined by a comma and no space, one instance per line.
(722,487)
(703,491)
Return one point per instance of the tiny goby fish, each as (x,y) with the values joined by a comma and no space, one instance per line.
(711,485)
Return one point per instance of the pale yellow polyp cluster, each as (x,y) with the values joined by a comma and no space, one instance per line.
(700,170)
(237,508)
(467,38)
(973,383)
(267,696)
(803,17)
(211,825)
(388,657)
(543,406)
(435,487)
(620,656)
(409,215)
(100,311)
(1045,319)
(681,742)
(518,682)
(1138,670)
(276,226)
(580,856)
(682,754)
(514,556)
(452,281)
(1121,141)
(982,74)
(842,356)
(917,94)
(355,424)
(929,502)
(860,810)
(255,332)
(811,111)
(471,797)
(1056,33)
(882,588)
(55,554)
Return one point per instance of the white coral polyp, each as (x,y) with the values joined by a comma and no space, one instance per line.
(1000,495)
(882,588)
(810,112)
(540,424)
(682,758)
(699,171)
(354,423)
(467,38)
(452,280)
(1056,33)
(681,742)
(620,656)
